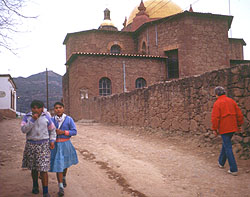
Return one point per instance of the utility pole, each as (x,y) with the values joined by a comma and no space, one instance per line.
(124,77)
(18,102)
(47,88)
(229,5)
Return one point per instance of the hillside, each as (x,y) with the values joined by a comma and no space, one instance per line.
(34,87)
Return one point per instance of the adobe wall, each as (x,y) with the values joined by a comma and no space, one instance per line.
(179,106)
(202,43)
(7,113)
(99,42)
(83,76)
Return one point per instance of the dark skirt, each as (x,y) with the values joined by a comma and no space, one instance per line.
(36,157)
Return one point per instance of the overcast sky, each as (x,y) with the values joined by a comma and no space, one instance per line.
(40,42)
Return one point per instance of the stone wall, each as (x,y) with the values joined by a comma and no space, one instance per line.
(179,106)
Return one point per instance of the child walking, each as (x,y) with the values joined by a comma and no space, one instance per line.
(64,154)
(40,137)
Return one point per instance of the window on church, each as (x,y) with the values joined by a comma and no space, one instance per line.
(143,49)
(172,64)
(84,94)
(140,83)
(105,87)
(115,49)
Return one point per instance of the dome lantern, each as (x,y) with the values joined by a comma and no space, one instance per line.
(106,14)
(107,23)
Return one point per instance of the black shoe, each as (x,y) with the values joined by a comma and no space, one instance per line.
(35,190)
(61,192)
(46,195)
(64,183)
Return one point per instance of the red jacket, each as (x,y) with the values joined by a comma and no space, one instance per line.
(226,115)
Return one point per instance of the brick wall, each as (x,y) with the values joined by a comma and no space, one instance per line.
(236,49)
(84,76)
(201,39)
(202,42)
(99,42)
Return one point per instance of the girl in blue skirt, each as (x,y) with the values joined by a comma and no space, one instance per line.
(64,154)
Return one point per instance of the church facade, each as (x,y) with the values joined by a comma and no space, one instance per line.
(151,48)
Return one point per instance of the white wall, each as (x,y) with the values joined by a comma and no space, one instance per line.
(5,93)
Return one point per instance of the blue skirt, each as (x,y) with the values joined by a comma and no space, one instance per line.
(62,156)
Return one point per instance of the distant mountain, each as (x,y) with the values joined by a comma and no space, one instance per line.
(34,87)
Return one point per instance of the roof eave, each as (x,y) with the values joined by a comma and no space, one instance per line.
(10,79)
(187,13)
(76,54)
(91,31)
(239,39)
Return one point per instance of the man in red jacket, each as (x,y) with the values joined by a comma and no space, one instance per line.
(226,120)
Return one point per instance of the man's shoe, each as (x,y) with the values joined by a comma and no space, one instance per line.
(61,192)
(35,190)
(232,173)
(220,166)
(64,183)
(46,195)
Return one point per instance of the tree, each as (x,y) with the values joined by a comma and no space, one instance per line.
(10,15)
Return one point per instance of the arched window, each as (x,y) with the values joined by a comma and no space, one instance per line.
(105,86)
(143,49)
(140,83)
(115,49)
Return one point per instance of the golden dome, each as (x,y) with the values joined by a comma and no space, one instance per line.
(157,9)
(107,23)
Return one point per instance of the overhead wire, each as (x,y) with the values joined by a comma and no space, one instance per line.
(155,5)
(193,3)
(162,6)
(169,2)
(151,2)
(166,4)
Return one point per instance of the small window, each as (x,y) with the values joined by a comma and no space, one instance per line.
(172,64)
(105,87)
(143,49)
(84,94)
(140,83)
(115,49)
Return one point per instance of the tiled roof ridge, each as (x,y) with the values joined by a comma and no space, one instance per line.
(118,54)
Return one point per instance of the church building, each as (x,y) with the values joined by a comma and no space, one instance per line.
(158,42)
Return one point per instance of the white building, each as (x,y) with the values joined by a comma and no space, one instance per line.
(7,96)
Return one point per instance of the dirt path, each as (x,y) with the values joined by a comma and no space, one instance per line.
(116,161)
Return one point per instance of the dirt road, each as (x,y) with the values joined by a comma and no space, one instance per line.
(116,161)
